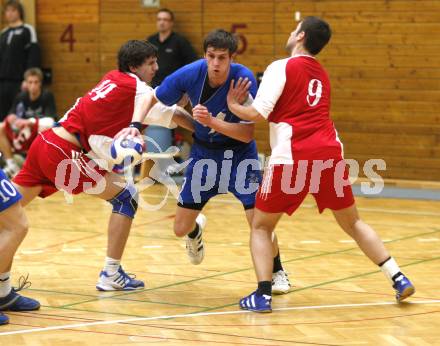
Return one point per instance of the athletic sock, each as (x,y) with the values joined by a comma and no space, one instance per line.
(264,287)
(193,234)
(111,265)
(277,266)
(5,284)
(390,269)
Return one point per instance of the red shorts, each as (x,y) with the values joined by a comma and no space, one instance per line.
(56,164)
(285,187)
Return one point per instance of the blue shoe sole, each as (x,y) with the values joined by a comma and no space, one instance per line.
(124,289)
(255,310)
(407,292)
(4,320)
(23,309)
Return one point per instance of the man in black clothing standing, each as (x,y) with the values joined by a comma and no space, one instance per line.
(19,51)
(174,50)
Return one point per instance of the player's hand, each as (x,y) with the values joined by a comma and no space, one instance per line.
(130,132)
(239,92)
(11,119)
(202,115)
(22,123)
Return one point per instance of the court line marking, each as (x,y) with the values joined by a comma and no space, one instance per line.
(320,254)
(31,252)
(332,282)
(203,314)
(68,307)
(428,240)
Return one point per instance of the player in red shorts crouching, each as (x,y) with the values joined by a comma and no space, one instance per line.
(306,157)
(59,158)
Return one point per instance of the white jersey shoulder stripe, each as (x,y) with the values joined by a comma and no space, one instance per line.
(32,31)
(271,87)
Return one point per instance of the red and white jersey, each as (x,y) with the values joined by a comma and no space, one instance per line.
(294,96)
(107,108)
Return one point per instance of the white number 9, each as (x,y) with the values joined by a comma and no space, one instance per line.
(314,91)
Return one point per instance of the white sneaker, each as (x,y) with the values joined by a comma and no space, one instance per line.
(119,281)
(194,247)
(280,282)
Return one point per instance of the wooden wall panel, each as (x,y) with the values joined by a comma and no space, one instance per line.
(385,78)
(383,61)
(75,67)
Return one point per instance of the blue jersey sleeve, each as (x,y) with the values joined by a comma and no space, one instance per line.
(171,90)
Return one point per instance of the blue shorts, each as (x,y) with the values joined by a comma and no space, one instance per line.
(217,171)
(8,193)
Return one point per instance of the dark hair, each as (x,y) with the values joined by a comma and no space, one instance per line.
(317,34)
(34,71)
(134,53)
(167,11)
(221,39)
(17,5)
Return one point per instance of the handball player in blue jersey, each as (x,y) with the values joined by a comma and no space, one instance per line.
(13,228)
(224,153)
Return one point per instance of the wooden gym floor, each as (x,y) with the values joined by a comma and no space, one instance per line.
(339,297)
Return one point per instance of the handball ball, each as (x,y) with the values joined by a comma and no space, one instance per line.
(126,150)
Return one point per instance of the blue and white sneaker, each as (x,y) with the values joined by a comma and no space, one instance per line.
(404,288)
(16,302)
(257,303)
(119,281)
(3,319)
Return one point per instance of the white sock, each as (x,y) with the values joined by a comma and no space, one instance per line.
(390,269)
(111,265)
(5,284)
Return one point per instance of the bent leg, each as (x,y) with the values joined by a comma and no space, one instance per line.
(263,225)
(13,229)
(367,239)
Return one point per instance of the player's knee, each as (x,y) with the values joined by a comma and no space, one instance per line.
(183,225)
(181,229)
(126,201)
(350,226)
(21,228)
(261,226)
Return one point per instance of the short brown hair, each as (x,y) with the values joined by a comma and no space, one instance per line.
(317,34)
(34,71)
(133,53)
(166,10)
(221,39)
(17,5)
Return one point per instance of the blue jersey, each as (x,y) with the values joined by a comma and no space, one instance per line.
(190,79)
(8,193)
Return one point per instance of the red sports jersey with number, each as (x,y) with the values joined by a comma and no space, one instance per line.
(306,157)
(106,109)
(295,98)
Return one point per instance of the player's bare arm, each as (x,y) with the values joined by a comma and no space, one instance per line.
(241,132)
(234,97)
(141,110)
(183,119)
